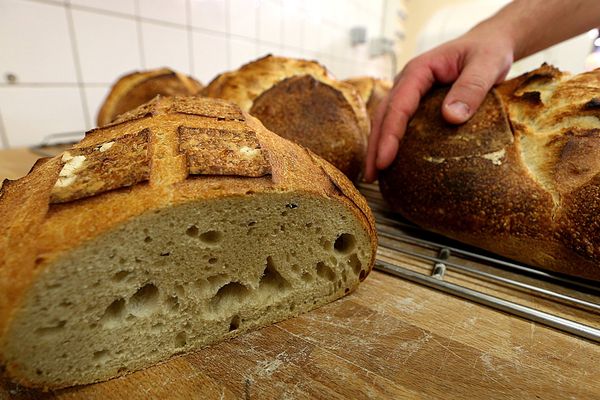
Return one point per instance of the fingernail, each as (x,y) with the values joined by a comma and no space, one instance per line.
(459,109)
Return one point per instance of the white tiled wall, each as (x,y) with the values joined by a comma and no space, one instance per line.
(65,54)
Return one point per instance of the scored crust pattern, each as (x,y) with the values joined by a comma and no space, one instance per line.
(95,169)
(213,138)
(223,152)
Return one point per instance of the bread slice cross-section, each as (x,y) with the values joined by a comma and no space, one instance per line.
(182,223)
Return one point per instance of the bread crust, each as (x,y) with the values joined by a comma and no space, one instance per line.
(139,87)
(521,178)
(372,90)
(316,116)
(36,229)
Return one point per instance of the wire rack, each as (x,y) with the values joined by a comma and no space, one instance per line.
(565,303)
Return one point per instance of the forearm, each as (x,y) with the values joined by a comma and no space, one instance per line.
(533,25)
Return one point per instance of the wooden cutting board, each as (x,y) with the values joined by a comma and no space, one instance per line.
(391,339)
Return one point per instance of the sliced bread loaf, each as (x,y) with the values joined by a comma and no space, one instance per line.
(182,223)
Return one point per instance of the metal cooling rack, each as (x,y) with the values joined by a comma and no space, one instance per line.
(565,303)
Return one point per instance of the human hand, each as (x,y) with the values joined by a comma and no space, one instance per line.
(474,62)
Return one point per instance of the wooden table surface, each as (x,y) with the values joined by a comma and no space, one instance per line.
(391,339)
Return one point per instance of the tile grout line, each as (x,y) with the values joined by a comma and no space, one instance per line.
(138,24)
(3,134)
(228,30)
(76,59)
(190,36)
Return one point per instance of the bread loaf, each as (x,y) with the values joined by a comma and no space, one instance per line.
(182,223)
(372,91)
(521,178)
(299,100)
(137,88)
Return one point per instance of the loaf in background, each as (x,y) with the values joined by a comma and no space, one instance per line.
(136,88)
(372,90)
(300,101)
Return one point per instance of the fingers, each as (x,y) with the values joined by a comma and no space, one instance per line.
(476,79)
(403,102)
(370,169)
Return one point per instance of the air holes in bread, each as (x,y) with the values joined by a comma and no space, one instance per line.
(363,275)
(296,268)
(345,243)
(50,330)
(147,239)
(235,323)
(323,271)
(114,313)
(213,260)
(119,276)
(355,263)
(306,277)
(192,231)
(180,339)
(173,303)
(233,292)
(211,237)
(101,356)
(271,278)
(144,301)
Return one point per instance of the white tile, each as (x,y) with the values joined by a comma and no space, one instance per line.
(242,18)
(293,29)
(95,97)
(311,35)
(164,10)
(292,6)
(165,46)
(241,52)
(108,46)
(209,14)
(57,110)
(34,42)
(292,52)
(270,21)
(210,55)
(119,6)
(340,41)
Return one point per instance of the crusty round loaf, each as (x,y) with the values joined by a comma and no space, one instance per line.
(372,91)
(521,178)
(137,88)
(182,223)
(266,81)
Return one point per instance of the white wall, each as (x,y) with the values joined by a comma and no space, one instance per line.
(65,54)
(453,20)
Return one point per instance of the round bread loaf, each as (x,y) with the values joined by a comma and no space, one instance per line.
(137,88)
(521,178)
(372,91)
(313,109)
(182,223)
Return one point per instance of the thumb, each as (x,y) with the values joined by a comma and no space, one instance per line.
(469,90)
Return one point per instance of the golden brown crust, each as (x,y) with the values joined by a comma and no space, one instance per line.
(372,90)
(137,88)
(314,115)
(34,232)
(253,82)
(521,178)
